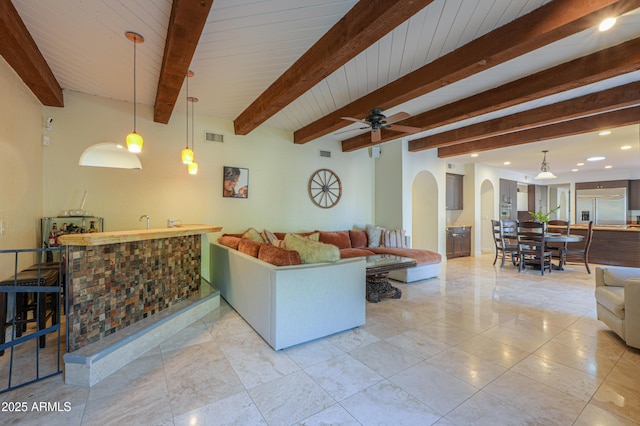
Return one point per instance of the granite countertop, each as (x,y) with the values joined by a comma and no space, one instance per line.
(113,237)
(628,228)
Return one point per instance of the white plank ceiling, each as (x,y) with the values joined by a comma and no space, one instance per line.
(247,44)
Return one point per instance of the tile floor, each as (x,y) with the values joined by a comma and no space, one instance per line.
(479,345)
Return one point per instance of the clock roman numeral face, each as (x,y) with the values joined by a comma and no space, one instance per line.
(325,188)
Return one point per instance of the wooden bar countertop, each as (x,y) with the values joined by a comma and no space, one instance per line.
(629,228)
(113,237)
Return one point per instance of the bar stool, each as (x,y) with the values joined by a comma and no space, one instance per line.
(46,277)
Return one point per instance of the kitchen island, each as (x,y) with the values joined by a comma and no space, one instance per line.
(611,245)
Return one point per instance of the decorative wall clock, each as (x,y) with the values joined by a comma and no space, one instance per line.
(325,188)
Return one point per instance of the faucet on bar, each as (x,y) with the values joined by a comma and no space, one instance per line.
(148,220)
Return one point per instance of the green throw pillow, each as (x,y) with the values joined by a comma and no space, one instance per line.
(312,251)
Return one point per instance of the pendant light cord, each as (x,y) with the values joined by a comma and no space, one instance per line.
(193,146)
(135,41)
(187,109)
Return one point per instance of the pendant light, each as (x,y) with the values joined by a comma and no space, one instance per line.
(187,154)
(545,172)
(134,140)
(193,166)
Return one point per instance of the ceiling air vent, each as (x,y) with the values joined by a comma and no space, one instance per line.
(213,137)
(325,154)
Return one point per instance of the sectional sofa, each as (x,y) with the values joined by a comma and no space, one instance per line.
(290,302)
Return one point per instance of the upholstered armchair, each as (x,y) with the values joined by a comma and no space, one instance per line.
(618,301)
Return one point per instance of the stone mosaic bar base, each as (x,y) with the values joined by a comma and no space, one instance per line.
(92,363)
(111,287)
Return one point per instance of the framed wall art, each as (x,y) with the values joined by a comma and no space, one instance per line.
(235,183)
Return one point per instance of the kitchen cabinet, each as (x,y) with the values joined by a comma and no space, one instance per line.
(602,184)
(454,189)
(634,194)
(458,241)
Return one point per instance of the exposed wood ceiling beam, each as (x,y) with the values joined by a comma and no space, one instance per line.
(363,25)
(185,28)
(20,51)
(594,103)
(611,62)
(549,23)
(623,117)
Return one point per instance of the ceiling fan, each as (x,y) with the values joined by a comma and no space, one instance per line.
(376,120)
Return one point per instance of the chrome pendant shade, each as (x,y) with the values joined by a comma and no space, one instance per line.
(545,170)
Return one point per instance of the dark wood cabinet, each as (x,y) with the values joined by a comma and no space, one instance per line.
(454,189)
(602,184)
(458,241)
(634,195)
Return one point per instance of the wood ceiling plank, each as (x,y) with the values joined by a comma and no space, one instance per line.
(623,117)
(621,59)
(594,103)
(364,24)
(185,28)
(545,25)
(20,51)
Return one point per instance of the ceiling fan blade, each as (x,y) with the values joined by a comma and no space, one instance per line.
(375,136)
(355,119)
(407,129)
(350,130)
(397,117)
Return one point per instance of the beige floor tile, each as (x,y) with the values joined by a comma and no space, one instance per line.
(586,361)
(546,404)
(566,379)
(491,350)
(217,413)
(432,386)
(334,415)
(619,400)
(467,367)
(417,343)
(593,415)
(261,367)
(289,399)
(385,358)
(483,409)
(387,404)
(312,353)
(343,376)
(352,339)
(445,332)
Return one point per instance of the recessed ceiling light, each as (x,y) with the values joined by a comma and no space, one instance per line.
(596,158)
(574,170)
(580,164)
(604,133)
(608,167)
(607,24)
(474,155)
(626,147)
(506,163)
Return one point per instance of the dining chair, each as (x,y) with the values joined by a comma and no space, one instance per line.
(531,246)
(505,239)
(582,254)
(558,249)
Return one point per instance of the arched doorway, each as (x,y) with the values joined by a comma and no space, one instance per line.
(487,214)
(424,217)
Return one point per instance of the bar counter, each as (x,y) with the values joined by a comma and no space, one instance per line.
(611,245)
(115,279)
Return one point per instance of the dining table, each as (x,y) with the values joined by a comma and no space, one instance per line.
(557,237)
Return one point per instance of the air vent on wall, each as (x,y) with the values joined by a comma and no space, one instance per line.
(325,154)
(451,166)
(213,137)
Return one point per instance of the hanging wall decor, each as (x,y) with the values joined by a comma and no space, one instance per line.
(325,188)
(235,183)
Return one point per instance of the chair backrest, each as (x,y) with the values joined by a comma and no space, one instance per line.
(587,242)
(495,229)
(531,235)
(557,225)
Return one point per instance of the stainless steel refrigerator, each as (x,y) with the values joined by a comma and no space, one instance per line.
(605,206)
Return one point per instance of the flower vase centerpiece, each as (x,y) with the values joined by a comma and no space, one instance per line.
(543,218)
